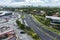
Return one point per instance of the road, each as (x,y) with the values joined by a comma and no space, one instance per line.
(37,28)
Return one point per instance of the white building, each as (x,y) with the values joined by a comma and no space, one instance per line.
(54,20)
(5,13)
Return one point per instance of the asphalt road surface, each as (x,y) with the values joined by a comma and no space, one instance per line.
(36,29)
(40,31)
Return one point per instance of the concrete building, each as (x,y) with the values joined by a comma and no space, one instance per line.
(5,13)
(54,20)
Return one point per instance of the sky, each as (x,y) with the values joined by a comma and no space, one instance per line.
(43,3)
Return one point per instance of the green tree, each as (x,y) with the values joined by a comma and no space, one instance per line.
(34,35)
(47,22)
(22,26)
(57,27)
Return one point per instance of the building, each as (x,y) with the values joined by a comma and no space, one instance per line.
(5,13)
(54,20)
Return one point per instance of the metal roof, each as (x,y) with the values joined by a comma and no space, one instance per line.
(53,17)
(4,12)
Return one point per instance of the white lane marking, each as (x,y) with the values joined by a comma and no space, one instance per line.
(25,23)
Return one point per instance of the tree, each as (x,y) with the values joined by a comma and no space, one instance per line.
(34,35)
(18,22)
(22,26)
(47,22)
(56,27)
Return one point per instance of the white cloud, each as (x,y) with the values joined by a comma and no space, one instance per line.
(31,2)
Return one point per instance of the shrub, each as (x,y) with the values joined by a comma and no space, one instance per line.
(34,35)
(22,26)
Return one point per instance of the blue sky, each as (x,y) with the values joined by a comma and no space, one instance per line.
(30,2)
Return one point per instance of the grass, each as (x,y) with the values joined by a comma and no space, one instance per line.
(22,17)
(46,27)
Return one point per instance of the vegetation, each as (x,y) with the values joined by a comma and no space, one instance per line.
(56,27)
(48,11)
(22,16)
(28,30)
(20,25)
(43,20)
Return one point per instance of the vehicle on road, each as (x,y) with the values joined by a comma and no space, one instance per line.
(22,32)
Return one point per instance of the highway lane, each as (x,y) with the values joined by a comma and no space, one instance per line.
(36,29)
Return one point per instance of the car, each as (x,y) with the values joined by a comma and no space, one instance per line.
(22,32)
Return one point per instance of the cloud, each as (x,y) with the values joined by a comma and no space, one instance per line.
(30,2)
(19,0)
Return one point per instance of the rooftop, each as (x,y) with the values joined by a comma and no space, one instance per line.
(53,17)
(4,12)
